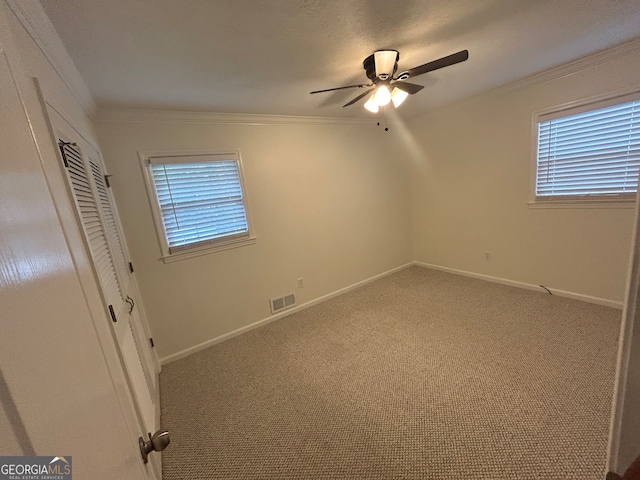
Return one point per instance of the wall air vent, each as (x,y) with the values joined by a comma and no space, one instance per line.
(282,303)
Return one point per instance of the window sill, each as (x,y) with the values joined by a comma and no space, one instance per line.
(626,203)
(196,252)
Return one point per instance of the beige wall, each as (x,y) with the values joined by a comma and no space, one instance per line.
(470,175)
(328,202)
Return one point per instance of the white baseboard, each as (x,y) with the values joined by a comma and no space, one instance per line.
(260,323)
(528,286)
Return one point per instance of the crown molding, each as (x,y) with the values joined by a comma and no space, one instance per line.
(556,73)
(132,115)
(34,20)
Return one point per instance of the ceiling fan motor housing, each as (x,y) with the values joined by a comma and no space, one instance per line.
(381,64)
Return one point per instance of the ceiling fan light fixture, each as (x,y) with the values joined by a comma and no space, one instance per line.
(382,96)
(398,96)
(371,104)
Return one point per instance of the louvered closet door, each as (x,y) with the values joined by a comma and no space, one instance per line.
(93,226)
(110,224)
(100,223)
(137,333)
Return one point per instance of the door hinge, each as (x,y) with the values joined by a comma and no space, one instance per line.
(130,267)
(106,180)
(153,345)
(113,314)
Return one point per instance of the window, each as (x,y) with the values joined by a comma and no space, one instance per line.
(589,153)
(198,201)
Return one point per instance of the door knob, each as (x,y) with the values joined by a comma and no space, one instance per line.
(156,443)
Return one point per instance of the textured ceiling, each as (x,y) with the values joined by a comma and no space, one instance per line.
(251,56)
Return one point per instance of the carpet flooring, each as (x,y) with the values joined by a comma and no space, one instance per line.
(419,375)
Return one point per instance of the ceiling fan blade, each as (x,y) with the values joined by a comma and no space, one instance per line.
(359,97)
(342,88)
(410,88)
(437,64)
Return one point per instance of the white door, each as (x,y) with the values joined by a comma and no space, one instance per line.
(58,393)
(97,214)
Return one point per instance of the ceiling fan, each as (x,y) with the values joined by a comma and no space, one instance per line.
(380,68)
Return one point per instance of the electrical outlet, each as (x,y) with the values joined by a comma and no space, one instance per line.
(301,282)
(487,256)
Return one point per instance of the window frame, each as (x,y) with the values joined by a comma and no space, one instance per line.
(195,250)
(625,200)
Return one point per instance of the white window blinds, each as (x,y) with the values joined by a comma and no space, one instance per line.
(200,199)
(589,153)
